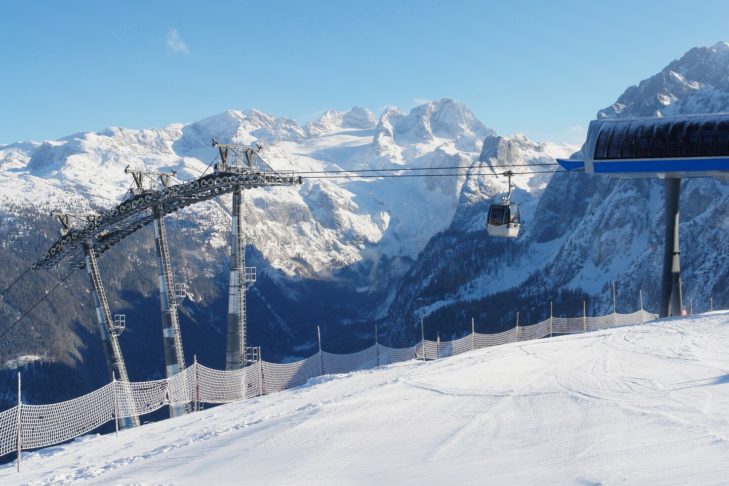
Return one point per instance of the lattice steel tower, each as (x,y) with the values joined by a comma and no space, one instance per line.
(237,159)
(171,336)
(109,334)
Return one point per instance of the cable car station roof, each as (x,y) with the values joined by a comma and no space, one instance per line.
(676,146)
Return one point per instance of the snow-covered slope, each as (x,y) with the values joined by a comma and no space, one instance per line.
(639,405)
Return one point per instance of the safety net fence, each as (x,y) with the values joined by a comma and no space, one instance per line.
(25,426)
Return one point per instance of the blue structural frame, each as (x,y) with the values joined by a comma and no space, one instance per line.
(693,167)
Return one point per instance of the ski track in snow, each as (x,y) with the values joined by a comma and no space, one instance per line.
(640,405)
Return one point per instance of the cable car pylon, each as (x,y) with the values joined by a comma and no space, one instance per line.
(109,337)
(238,159)
(671,294)
(171,335)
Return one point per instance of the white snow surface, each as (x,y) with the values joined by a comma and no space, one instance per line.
(639,405)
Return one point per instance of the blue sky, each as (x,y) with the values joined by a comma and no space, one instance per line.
(536,67)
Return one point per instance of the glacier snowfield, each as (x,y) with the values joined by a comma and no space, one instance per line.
(638,405)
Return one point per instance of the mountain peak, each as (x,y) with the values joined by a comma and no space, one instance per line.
(505,151)
(445,118)
(359,117)
(333,120)
(238,126)
(698,82)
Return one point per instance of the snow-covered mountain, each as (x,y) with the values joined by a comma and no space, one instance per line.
(642,404)
(323,226)
(332,121)
(583,232)
(329,252)
(695,83)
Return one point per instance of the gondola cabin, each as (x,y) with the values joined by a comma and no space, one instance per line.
(503,220)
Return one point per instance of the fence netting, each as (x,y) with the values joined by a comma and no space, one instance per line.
(280,376)
(8,431)
(43,425)
(486,340)
(388,355)
(34,426)
(346,363)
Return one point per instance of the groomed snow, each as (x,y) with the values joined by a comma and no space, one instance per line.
(640,405)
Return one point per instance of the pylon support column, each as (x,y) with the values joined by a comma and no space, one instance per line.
(171,336)
(241,278)
(109,341)
(671,295)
